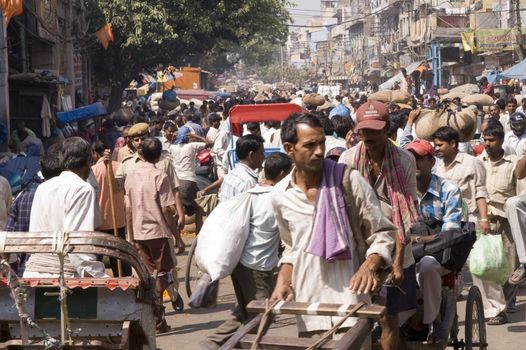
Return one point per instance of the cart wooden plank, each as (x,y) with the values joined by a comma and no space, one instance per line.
(373,312)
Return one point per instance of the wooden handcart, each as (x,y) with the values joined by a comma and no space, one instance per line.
(77,313)
(352,339)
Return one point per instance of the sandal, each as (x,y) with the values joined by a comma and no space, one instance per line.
(498,320)
(518,276)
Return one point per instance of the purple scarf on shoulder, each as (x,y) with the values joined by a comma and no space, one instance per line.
(330,229)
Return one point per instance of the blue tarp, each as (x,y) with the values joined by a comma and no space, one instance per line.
(82,113)
(518,71)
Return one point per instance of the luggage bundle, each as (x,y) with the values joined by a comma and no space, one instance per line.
(463,121)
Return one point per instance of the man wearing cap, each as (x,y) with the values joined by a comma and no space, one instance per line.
(391,172)
(136,133)
(441,209)
(517,133)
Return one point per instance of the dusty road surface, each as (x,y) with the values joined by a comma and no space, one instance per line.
(193,325)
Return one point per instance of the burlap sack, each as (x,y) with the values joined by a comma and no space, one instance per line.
(313,100)
(518,98)
(464,122)
(442,91)
(427,123)
(466,89)
(478,99)
(451,95)
(386,96)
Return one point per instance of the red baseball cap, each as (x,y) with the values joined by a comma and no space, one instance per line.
(421,147)
(372,115)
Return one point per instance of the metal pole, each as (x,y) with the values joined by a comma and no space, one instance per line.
(4,84)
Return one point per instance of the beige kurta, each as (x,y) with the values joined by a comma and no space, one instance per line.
(315,279)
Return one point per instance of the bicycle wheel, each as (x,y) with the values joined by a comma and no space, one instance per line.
(191,272)
(475,329)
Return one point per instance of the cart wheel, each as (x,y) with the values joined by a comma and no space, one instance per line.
(192,272)
(475,329)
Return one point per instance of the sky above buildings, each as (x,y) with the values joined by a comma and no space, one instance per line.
(304,10)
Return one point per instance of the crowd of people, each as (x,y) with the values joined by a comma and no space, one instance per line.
(331,210)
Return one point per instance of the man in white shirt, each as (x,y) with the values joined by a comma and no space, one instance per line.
(253,278)
(511,107)
(66,203)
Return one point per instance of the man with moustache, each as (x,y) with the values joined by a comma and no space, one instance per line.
(390,170)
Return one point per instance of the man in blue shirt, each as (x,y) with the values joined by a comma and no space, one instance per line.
(441,207)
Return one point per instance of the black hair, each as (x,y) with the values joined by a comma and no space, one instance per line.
(512,101)
(51,163)
(342,125)
(251,126)
(151,149)
(248,143)
(76,153)
(275,163)
(494,128)
(98,147)
(501,103)
(447,134)
(288,129)
(169,124)
(326,123)
(214,117)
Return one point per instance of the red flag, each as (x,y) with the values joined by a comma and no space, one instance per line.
(105,35)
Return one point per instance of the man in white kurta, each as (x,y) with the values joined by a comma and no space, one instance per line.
(66,203)
(309,278)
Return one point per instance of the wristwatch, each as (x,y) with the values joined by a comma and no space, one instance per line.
(417,239)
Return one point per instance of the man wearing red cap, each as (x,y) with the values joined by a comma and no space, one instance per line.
(441,209)
(391,172)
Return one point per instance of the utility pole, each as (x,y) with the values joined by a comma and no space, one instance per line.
(69,63)
(518,23)
(4,85)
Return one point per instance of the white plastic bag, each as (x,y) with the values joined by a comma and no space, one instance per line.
(223,236)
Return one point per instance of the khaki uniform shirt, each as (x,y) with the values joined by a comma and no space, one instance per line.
(469,174)
(124,153)
(501,182)
(315,279)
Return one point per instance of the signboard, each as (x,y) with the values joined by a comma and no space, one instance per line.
(496,39)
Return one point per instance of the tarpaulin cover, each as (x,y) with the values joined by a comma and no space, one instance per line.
(262,112)
(82,113)
(518,71)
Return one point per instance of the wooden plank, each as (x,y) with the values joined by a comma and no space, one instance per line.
(323,309)
(243,331)
(355,336)
(269,342)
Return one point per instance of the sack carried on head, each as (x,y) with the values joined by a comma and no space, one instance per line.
(313,100)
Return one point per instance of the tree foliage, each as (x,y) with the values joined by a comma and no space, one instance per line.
(207,33)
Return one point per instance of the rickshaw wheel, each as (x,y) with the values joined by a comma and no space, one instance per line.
(192,272)
(475,329)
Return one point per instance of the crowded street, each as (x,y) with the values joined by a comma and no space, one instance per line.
(263,174)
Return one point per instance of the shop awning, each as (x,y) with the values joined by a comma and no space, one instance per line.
(391,82)
(518,72)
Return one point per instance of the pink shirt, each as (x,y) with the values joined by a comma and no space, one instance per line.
(148,190)
(99,170)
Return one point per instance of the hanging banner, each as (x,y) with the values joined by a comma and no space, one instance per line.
(468,42)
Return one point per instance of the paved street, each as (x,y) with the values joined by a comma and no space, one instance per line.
(193,325)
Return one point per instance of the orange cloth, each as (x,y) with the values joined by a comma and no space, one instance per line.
(11,8)
(99,170)
(105,35)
